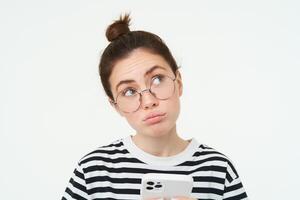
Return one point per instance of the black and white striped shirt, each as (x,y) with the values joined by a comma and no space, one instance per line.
(115,171)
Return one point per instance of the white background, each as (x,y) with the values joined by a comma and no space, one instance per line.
(240,66)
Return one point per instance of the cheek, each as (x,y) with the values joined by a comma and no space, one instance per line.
(174,101)
(171,106)
(133,119)
(174,107)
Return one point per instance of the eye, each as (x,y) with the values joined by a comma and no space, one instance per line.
(128,92)
(158,79)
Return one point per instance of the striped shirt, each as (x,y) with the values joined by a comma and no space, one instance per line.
(114,172)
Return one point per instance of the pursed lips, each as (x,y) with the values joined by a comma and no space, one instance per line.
(153,115)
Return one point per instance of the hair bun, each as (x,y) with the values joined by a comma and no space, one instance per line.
(118,28)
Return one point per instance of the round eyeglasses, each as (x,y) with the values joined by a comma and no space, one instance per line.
(161,87)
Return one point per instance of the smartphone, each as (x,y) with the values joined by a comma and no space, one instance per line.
(156,185)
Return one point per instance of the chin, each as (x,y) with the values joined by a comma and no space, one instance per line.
(157,131)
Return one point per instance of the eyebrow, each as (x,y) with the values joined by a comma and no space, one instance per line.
(146,74)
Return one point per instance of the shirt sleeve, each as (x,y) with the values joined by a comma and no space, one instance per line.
(233,189)
(76,188)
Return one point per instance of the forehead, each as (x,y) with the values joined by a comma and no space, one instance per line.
(136,65)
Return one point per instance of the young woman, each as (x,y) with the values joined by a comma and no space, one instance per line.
(142,81)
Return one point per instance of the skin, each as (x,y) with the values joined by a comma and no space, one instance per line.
(175,198)
(159,139)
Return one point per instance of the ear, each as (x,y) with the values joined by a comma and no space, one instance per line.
(179,82)
(115,106)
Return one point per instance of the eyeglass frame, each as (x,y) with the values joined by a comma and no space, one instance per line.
(114,102)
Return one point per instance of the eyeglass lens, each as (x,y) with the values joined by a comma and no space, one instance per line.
(161,87)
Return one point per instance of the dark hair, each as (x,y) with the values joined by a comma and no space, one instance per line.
(123,42)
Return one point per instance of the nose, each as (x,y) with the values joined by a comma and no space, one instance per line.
(148,100)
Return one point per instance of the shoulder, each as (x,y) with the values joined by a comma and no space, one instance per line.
(107,152)
(206,153)
(215,157)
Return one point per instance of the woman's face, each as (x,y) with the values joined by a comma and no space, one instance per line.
(154,117)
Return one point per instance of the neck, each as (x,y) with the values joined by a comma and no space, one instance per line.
(166,145)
